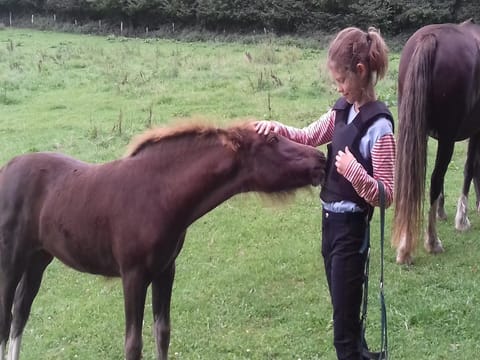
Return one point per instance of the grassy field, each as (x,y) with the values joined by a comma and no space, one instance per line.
(250,281)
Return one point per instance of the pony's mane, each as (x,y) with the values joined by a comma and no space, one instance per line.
(229,136)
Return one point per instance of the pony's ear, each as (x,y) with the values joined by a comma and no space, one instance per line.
(232,140)
(236,142)
(241,135)
(468,21)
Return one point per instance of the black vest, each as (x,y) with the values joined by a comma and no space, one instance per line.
(336,187)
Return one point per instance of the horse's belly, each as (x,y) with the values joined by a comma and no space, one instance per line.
(83,253)
(89,262)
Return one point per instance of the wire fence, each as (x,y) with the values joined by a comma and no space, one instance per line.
(100,26)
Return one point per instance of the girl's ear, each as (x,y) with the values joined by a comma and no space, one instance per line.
(361,70)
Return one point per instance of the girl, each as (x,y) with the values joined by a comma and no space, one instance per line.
(361,151)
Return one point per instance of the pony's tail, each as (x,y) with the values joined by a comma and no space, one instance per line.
(411,161)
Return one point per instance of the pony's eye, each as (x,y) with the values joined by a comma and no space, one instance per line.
(273,139)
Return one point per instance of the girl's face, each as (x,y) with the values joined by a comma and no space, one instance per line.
(348,83)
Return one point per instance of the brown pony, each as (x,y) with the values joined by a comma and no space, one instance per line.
(439,96)
(128,218)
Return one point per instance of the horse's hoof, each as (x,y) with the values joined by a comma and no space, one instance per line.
(462,224)
(404,259)
(435,248)
(442,215)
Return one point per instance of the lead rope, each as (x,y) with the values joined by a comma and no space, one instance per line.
(384,344)
(383,354)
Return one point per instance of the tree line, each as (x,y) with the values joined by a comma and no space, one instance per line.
(281,16)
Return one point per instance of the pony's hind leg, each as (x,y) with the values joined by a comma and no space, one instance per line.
(10,275)
(161,297)
(24,296)
(8,284)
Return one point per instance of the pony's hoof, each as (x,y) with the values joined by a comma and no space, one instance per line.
(435,248)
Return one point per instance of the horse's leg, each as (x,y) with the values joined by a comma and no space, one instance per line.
(476,185)
(462,222)
(441,214)
(135,286)
(433,244)
(11,270)
(444,155)
(8,284)
(476,174)
(24,296)
(161,297)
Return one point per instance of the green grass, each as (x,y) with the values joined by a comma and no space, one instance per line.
(250,281)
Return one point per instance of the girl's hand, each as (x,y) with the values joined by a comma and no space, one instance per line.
(343,160)
(264,127)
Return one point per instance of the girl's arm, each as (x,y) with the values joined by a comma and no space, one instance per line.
(383,161)
(317,133)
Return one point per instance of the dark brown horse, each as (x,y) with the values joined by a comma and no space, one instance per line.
(128,217)
(439,96)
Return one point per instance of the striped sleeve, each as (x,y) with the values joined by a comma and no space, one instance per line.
(383,161)
(317,133)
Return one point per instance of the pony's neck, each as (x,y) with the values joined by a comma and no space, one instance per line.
(206,174)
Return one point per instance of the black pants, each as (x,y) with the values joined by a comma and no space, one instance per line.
(342,239)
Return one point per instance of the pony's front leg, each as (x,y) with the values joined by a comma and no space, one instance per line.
(433,244)
(161,297)
(135,286)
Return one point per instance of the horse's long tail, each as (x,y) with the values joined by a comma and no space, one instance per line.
(412,148)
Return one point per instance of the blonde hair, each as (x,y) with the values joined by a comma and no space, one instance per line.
(354,46)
